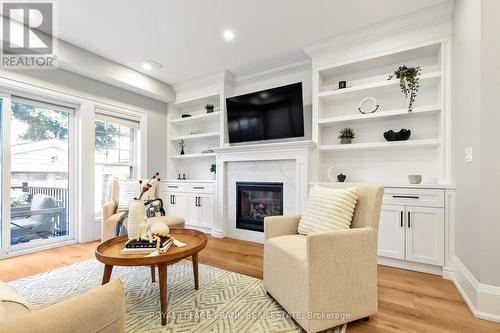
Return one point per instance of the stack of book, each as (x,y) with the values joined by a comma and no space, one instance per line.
(145,246)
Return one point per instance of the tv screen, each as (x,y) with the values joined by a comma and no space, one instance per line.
(265,115)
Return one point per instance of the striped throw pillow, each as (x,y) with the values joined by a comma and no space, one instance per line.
(130,189)
(328,209)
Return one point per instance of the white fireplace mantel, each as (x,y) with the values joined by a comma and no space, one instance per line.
(297,151)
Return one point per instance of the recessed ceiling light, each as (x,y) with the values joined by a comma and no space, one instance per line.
(228,35)
(146,66)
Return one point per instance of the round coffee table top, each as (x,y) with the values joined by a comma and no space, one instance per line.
(109,252)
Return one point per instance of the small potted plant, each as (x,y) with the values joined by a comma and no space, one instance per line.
(346,135)
(213,169)
(182,145)
(209,108)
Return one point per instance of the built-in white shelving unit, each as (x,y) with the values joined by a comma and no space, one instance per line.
(197,158)
(196,119)
(389,113)
(196,136)
(370,157)
(205,155)
(384,145)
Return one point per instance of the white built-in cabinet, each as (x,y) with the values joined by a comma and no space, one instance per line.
(412,226)
(200,210)
(192,201)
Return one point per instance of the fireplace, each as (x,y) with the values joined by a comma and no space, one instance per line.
(255,201)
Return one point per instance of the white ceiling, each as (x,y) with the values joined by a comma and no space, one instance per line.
(186,35)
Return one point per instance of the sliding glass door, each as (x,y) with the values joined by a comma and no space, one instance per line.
(40,173)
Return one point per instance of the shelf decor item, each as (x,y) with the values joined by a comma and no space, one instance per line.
(136,215)
(341,178)
(409,82)
(342,84)
(402,135)
(182,145)
(368,105)
(137,209)
(194,130)
(346,135)
(414,179)
(213,169)
(185,115)
(210,108)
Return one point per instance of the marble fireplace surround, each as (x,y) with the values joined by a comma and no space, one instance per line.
(286,162)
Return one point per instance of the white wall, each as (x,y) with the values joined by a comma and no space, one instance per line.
(466,126)
(67,81)
(476,80)
(490,149)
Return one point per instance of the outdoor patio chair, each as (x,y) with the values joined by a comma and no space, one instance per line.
(38,222)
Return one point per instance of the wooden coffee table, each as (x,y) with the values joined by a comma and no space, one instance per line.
(109,253)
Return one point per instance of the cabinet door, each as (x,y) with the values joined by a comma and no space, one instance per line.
(391,232)
(179,200)
(425,235)
(192,209)
(168,205)
(206,205)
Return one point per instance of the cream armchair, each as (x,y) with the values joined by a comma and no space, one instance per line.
(110,216)
(328,278)
(99,310)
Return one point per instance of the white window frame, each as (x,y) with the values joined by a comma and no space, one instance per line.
(7,248)
(85,105)
(135,163)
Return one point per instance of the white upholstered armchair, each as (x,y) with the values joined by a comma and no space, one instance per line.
(327,278)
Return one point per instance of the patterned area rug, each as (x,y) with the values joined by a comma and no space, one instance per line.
(225,301)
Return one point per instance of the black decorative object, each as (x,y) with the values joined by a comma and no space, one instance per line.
(402,135)
(209,108)
(341,178)
(342,84)
(179,176)
(183,176)
(185,115)
(181,146)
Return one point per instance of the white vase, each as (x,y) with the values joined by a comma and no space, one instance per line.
(136,215)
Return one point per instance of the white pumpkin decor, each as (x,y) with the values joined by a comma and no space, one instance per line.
(136,215)
(159,228)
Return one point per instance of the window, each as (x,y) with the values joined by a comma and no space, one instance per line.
(40,172)
(116,147)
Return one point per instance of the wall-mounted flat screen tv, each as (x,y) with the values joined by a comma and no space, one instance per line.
(270,114)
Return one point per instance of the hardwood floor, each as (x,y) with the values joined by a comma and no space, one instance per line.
(408,301)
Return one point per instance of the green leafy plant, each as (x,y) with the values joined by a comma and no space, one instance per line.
(346,133)
(213,168)
(409,82)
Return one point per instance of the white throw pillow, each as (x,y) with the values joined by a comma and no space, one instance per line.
(328,209)
(130,189)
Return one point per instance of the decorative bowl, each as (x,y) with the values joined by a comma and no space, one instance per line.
(402,135)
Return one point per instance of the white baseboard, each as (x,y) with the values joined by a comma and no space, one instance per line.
(413,266)
(217,234)
(483,299)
